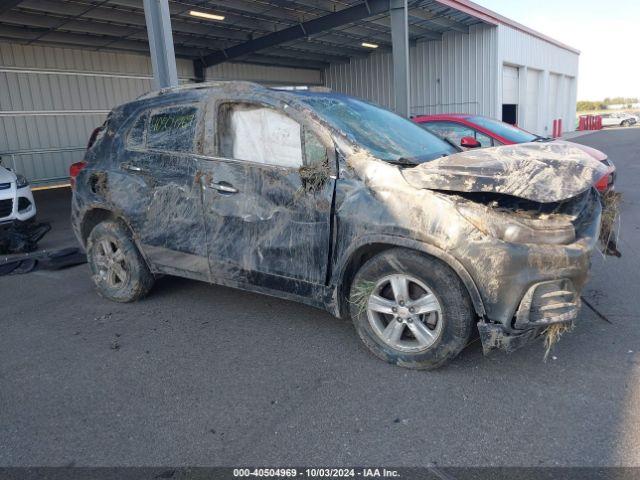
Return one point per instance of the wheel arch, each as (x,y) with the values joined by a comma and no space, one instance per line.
(94,216)
(373,245)
(91,218)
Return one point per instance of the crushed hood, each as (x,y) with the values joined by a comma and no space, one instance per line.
(541,172)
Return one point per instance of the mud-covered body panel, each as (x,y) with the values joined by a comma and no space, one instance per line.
(501,271)
(271,236)
(277,237)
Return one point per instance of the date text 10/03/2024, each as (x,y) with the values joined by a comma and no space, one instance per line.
(316,472)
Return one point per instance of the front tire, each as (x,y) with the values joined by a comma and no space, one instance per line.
(119,271)
(411,309)
(626,123)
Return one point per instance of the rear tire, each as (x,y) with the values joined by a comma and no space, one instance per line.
(119,271)
(422,325)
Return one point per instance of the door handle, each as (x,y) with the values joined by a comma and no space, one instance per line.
(132,168)
(223,187)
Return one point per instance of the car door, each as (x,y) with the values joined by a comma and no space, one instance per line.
(162,193)
(268,183)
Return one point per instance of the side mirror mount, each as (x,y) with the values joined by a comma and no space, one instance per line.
(469,142)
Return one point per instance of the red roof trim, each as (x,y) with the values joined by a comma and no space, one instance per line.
(494,18)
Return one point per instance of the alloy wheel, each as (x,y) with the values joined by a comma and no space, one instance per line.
(405,313)
(110,262)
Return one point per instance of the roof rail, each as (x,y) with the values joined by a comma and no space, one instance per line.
(199,86)
(308,88)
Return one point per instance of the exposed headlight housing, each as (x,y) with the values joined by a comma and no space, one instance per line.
(21,181)
(547,229)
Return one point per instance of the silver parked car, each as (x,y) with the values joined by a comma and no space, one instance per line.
(618,119)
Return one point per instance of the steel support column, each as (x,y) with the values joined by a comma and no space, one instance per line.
(163,57)
(399,13)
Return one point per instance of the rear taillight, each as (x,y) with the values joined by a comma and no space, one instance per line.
(74,170)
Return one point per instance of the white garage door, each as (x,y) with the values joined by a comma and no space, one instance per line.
(509,84)
(532,100)
(555,108)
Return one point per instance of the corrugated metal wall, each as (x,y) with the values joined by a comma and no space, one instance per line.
(558,69)
(52,98)
(463,73)
(455,74)
(268,75)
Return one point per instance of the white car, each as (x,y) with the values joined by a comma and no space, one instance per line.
(16,199)
(617,119)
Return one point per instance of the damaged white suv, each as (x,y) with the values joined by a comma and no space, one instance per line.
(332,201)
(16,200)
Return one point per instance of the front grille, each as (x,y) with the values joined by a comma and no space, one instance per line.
(5,186)
(6,207)
(545,303)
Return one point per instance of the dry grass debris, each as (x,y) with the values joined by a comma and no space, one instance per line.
(314,177)
(610,222)
(552,335)
(360,294)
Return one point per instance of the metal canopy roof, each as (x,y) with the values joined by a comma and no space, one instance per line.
(120,25)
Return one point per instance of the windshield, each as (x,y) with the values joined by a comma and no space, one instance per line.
(511,133)
(384,134)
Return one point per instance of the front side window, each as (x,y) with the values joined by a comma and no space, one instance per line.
(172,129)
(452,131)
(314,151)
(260,134)
(484,140)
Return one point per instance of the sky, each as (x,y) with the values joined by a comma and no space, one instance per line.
(607,33)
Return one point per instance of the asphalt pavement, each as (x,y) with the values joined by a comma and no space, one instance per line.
(206,375)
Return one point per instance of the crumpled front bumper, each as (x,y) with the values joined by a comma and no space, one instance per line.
(534,287)
(494,337)
(545,303)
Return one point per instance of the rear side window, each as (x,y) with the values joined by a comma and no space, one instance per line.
(172,129)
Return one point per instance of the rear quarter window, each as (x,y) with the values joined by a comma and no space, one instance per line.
(135,137)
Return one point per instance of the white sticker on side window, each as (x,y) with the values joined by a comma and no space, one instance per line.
(263,135)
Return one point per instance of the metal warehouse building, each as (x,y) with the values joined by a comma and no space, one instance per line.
(65,63)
